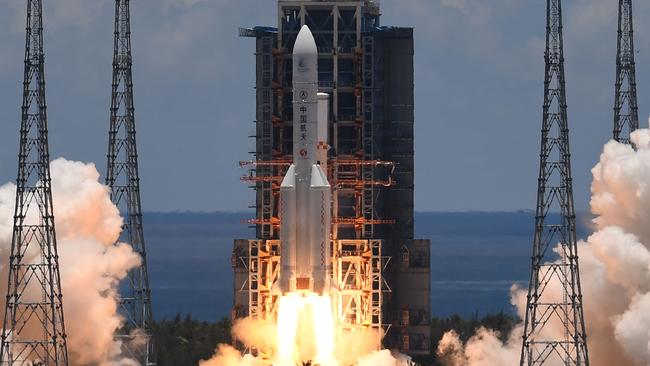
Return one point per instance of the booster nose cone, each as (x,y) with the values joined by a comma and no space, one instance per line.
(305,67)
(305,44)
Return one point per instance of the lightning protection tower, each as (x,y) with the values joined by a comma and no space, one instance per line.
(626,111)
(33,329)
(554,332)
(123,179)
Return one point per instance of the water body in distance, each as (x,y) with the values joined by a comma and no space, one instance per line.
(475,258)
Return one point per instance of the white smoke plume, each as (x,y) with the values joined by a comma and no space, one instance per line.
(91,266)
(614,265)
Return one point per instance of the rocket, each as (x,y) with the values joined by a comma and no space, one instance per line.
(305,193)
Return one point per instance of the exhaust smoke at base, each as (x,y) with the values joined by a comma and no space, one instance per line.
(615,271)
(91,266)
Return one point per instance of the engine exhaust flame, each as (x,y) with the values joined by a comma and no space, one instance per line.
(305,330)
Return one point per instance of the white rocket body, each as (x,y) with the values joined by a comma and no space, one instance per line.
(305,194)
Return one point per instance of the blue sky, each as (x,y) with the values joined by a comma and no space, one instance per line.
(479,71)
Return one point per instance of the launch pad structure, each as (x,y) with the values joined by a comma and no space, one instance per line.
(381,271)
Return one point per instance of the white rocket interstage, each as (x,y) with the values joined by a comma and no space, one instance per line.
(305,194)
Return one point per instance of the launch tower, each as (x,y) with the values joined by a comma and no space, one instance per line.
(554,330)
(33,330)
(124,181)
(626,111)
(367,70)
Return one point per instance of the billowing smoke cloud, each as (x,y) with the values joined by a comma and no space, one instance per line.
(91,266)
(615,271)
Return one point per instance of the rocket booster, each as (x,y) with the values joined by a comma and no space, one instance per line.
(305,193)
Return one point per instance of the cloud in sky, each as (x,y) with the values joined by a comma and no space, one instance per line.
(479,69)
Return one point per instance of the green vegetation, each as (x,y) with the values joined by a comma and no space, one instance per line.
(465,328)
(184,341)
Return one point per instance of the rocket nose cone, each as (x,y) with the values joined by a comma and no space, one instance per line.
(305,43)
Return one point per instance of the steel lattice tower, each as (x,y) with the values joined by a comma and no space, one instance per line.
(33,327)
(123,179)
(554,330)
(626,111)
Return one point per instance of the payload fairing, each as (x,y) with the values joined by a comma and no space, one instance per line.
(305,193)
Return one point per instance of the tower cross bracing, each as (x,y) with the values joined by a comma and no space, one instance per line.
(626,111)
(33,327)
(554,327)
(123,179)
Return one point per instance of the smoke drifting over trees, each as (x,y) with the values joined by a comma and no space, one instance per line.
(87,226)
(615,270)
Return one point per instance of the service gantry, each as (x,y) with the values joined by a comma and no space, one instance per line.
(367,70)
(626,111)
(554,328)
(124,182)
(34,329)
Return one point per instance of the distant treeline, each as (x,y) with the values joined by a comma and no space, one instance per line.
(465,328)
(183,341)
